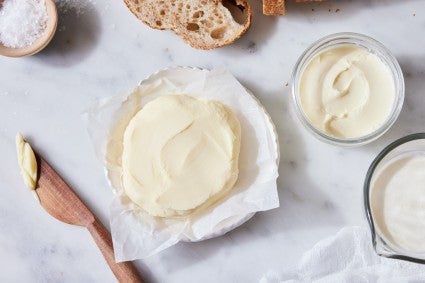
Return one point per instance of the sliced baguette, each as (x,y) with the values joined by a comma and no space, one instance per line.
(203,24)
(274,7)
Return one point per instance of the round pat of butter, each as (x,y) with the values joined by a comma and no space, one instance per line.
(180,153)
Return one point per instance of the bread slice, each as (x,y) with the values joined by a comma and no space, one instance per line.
(203,24)
(274,7)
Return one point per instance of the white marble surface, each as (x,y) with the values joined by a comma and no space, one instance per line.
(101,50)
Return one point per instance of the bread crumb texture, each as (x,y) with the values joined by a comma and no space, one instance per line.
(203,24)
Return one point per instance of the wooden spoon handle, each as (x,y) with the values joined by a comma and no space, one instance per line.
(123,271)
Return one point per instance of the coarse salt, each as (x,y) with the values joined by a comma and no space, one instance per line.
(22,22)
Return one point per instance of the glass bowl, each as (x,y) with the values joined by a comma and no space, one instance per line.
(414,143)
(344,39)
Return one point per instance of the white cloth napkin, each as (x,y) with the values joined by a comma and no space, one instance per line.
(348,257)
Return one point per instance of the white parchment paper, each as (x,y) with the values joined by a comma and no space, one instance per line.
(135,233)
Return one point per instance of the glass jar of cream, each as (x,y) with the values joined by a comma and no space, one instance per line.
(394,199)
(348,89)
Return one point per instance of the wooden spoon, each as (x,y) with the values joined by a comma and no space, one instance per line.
(58,199)
(39,43)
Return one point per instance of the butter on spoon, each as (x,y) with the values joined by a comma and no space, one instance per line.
(27,162)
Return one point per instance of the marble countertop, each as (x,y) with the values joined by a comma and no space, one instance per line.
(101,49)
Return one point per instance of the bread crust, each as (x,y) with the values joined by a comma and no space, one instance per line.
(178,26)
(274,7)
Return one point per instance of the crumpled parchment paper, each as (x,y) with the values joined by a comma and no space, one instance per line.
(135,233)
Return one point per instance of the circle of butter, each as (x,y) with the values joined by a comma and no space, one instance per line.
(347,92)
(179,153)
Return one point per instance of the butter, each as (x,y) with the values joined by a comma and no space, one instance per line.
(347,92)
(180,153)
(27,162)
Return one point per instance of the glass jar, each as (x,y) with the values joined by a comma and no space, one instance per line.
(339,40)
(412,144)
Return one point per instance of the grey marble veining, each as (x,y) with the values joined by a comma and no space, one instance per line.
(100,50)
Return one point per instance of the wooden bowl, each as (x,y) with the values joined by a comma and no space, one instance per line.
(39,43)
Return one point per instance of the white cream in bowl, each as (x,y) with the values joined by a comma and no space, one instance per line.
(397,202)
(347,92)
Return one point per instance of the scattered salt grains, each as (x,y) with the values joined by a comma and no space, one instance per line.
(22,22)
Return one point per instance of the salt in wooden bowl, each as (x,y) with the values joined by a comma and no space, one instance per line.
(39,43)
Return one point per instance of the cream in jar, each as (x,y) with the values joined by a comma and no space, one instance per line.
(397,201)
(347,92)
